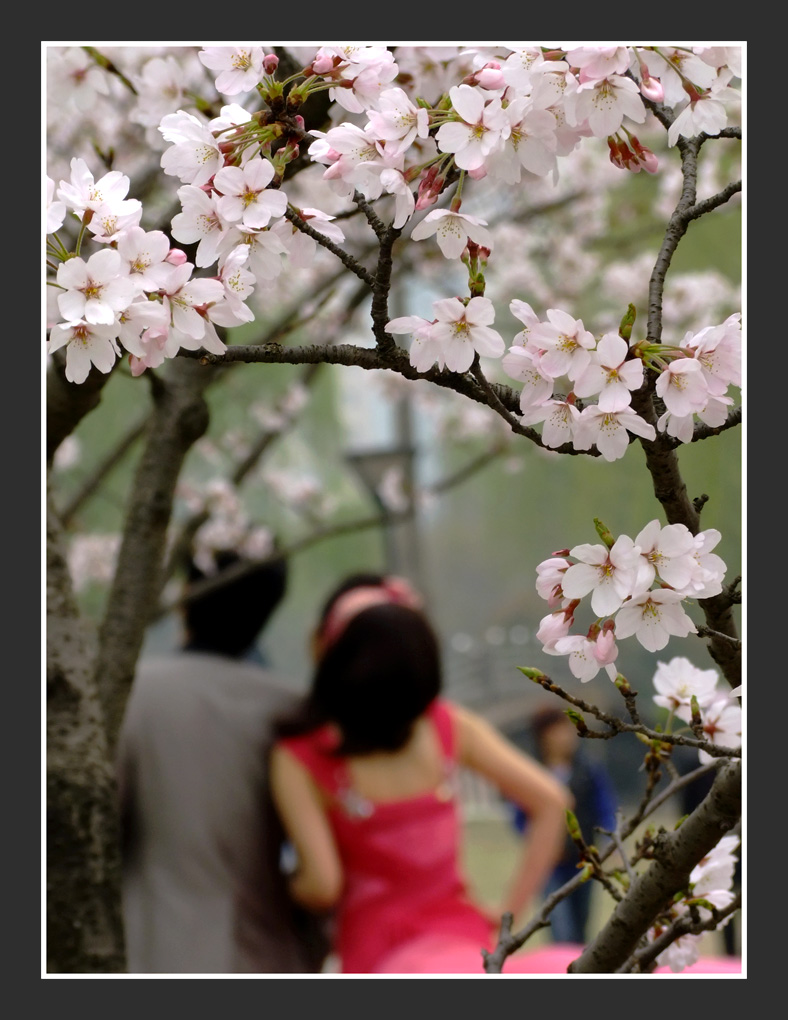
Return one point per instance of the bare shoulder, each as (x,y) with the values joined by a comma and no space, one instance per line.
(482,747)
(470,728)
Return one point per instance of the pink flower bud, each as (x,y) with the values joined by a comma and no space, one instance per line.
(270,63)
(645,156)
(429,189)
(490,76)
(175,257)
(652,89)
(322,64)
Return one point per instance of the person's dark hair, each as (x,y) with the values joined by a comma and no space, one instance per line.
(544,718)
(375,680)
(229,615)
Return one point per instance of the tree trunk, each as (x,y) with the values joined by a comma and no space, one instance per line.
(84,926)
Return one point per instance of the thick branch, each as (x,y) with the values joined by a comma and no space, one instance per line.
(179,418)
(676,854)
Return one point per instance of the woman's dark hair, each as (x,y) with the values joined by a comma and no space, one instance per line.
(375,680)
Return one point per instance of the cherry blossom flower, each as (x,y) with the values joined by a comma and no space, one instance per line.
(722,725)
(245,196)
(199,222)
(710,568)
(94,290)
(149,350)
(394,182)
(141,316)
(238,283)
(517,68)
(482,129)
(143,252)
(523,364)
(677,681)
(74,74)
(560,418)
(82,192)
(550,577)
(186,301)
(194,156)
(566,342)
(89,343)
(453,230)
(675,65)
(610,575)
(681,953)
(160,87)
(682,427)
(666,553)
(111,222)
(716,870)
(530,143)
(652,617)
(682,386)
(553,627)
(718,349)
(610,375)
(465,331)
(240,67)
(398,121)
(266,249)
(522,310)
(608,430)
(352,153)
(425,350)
(704,112)
(603,104)
(587,656)
(369,69)
(599,61)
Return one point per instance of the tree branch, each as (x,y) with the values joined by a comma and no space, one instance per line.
(676,854)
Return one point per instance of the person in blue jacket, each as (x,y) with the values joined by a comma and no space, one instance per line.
(553,738)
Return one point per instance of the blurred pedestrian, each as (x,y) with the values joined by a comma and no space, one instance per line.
(364,778)
(202,888)
(554,739)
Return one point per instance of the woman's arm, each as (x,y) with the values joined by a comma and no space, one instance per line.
(317,881)
(522,779)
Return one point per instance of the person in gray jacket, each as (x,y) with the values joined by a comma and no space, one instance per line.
(203,891)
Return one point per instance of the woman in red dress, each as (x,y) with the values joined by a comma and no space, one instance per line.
(364,780)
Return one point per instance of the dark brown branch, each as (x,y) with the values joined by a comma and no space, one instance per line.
(179,418)
(341,254)
(676,854)
(617,725)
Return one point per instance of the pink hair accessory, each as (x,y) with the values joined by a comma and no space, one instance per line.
(393,591)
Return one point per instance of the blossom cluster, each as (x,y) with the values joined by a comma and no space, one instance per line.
(135,291)
(496,113)
(710,885)
(683,688)
(636,588)
(692,378)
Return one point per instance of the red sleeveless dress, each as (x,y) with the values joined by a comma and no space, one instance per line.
(404,889)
